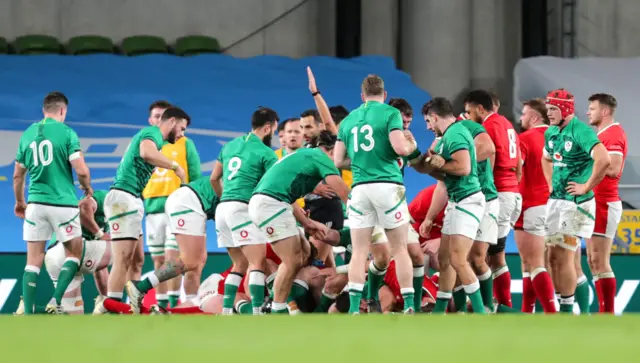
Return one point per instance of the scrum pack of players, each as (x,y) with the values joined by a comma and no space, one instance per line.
(324,225)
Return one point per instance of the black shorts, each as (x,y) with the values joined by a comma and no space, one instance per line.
(326,211)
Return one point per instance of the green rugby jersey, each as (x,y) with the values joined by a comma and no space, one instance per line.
(45,150)
(455,138)
(365,134)
(133,172)
(244,160)
(296,175)
(485,173)
(570,151)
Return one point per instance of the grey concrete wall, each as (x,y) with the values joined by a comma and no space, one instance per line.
(608,28)
(449,46)
(308,31)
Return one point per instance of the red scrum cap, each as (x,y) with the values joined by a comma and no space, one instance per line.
(562,99)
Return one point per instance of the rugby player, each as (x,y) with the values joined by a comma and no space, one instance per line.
(281,138)
(413,243)
(601,113)
(124,208)
(507,170)
(454,162)
(370,140)
(323,205)
(529,229)
(47,152)
(95,258)
(162,183)
(241,164)
(574,161)
(430,243)
(189,208)
(291,137)
(273,209)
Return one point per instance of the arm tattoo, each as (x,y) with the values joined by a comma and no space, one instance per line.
(170,269)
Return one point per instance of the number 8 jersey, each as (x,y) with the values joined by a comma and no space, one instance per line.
(244,161)
(505,139)
(365,134)
(45,150)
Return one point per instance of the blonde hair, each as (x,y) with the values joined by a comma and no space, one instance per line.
(373,86)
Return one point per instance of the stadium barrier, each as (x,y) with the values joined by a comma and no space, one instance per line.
(12,265)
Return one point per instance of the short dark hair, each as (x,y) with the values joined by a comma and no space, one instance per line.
(480,98)
(338,113)
(263,116)
(159,104)
(373,85)
(283,124)
(402,105)
(538,105)
(495,99)
(327,139)
(439,106)
(175,112)
(605,99)
(54,100)
(314,113)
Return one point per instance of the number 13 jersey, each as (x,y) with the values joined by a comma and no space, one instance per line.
(244,161)
(505,139)
(365,134)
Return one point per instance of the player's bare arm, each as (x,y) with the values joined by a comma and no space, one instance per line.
(519,166)
(317,230)
(19,173)
(439,200)
(400,144)
(459,165)
(547,168)
(338,186)
(485,149)
(601,162)
(340,158)
(150,154)
(615,167)
(82,170)
(321,105)
(215,179)
(88,207)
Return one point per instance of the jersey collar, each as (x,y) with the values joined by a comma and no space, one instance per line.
(613,124)
(489,115)
(47,119)
(539,126)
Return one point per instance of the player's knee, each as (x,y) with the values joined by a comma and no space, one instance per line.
(416,254)
(458,262)
(158,261)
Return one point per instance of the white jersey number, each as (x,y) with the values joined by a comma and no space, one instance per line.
(513,143)
(367,132)
(234,165)
(42,153)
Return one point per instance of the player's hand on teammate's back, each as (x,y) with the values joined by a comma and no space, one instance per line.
(19,209)
(576,189)
(312,81)
(324,191)
(425,228)
(180,173)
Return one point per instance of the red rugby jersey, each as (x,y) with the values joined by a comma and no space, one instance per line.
(505,139)
(533,185)
(419,207)
(614,139)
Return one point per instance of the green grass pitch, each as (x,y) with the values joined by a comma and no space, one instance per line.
(321,338)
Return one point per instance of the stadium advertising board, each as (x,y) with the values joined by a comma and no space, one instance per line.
(12,267)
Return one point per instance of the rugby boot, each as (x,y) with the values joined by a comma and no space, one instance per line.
(135,296)
(99,308)
(54,309)
(20,309)
(409,311)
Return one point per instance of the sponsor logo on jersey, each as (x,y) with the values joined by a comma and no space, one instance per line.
(270,230)
(244,234)
(180,222)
